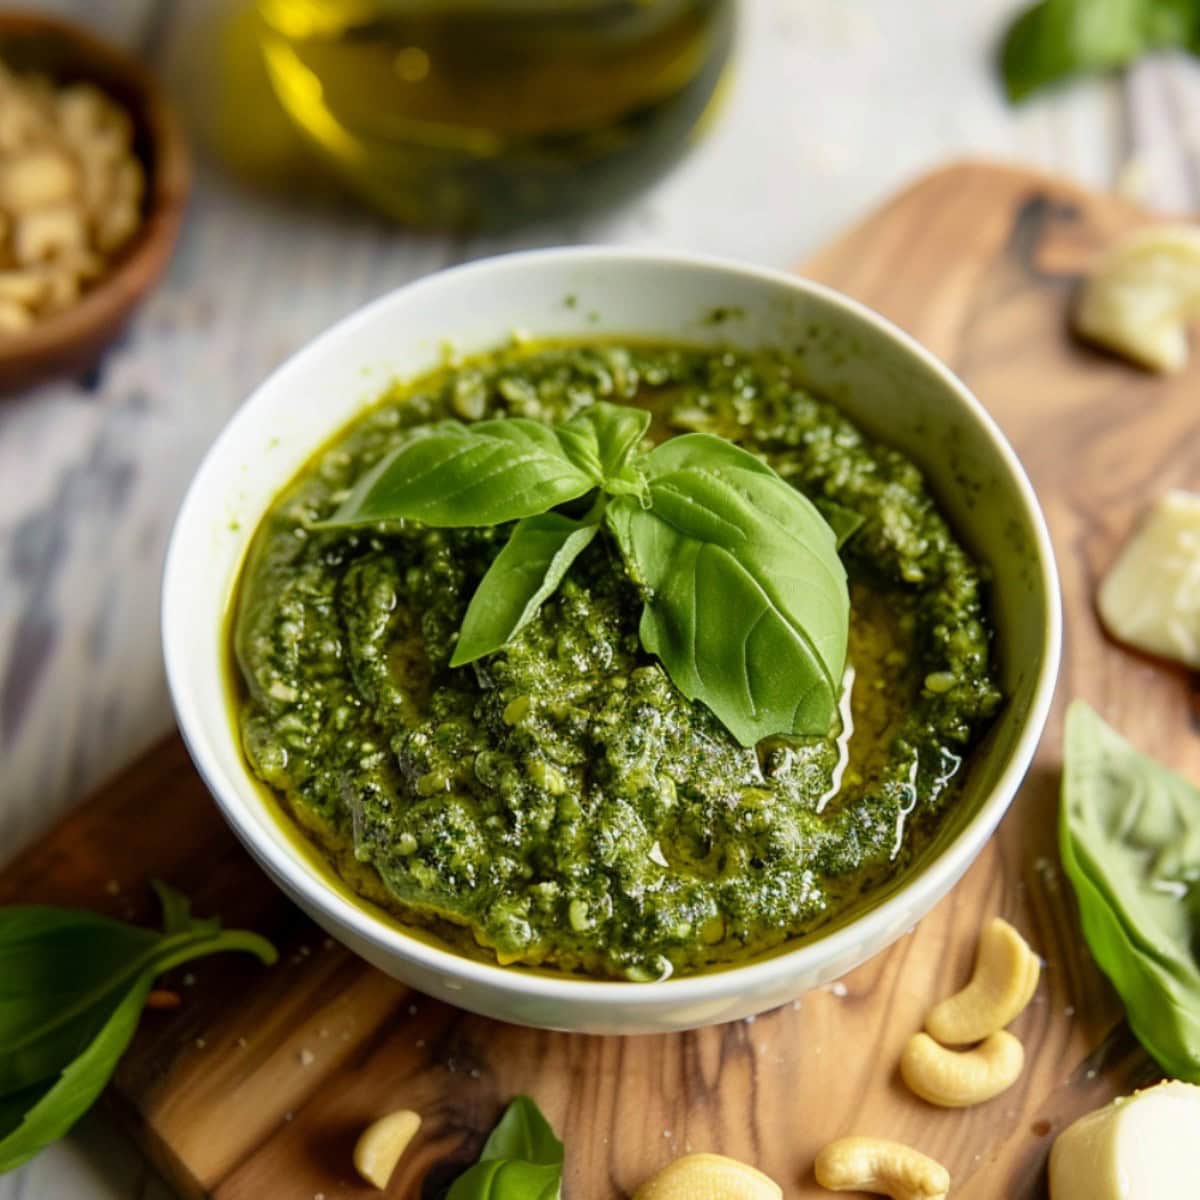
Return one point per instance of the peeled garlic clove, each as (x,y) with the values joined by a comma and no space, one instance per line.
(1142,294)
(1151,597)
(381,1144)
(1140,1147)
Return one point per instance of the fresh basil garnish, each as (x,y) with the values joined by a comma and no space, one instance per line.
(746,602)
(603,437)
(495,471)
(521,1160)
(483,474)
(72,988)
(1056,39)
(844,522)
(527,570)
(1130,842)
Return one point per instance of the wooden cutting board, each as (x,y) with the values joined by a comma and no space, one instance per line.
(259,1083)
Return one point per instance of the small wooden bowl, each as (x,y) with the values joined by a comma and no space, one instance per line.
(72,340)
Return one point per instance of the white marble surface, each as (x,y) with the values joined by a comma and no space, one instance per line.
(834,103)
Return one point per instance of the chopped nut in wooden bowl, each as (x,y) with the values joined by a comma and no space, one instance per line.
(93,179)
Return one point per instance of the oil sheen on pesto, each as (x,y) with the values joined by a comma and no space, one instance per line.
(560,803)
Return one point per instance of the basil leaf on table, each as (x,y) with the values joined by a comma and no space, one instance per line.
(481,474)
(1129,838)
(1056,39)
(523,1132)
(747,602)
(506,1179)
(72,988)
(47,1113)
(521,1160)
(48,1011)
(525,572)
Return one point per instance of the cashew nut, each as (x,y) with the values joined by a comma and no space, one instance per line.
(381,1144)
(1141,295)
(959,1078)
(708,1177)
(1005,978)
(865,1164)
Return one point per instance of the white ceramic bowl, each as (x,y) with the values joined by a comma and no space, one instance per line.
(883,379)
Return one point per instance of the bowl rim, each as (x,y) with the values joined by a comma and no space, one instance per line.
(918,893)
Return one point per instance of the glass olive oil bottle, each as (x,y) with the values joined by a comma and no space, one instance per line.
(489,112)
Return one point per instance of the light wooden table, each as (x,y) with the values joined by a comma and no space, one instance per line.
(834,103)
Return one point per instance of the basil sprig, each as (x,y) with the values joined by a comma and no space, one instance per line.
(72,988)
(1130,842)
(521,1160)
(745,597)
(1055,39)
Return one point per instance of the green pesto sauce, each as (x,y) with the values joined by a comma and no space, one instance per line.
(561,804)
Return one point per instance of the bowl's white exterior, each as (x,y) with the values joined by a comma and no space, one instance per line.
(881,377)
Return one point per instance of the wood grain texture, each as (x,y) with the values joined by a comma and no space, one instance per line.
(259,1083)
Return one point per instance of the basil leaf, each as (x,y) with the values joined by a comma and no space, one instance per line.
(525,572)
(614,430)
(747,604)
(72,985)
(507,1179)
(522,1132)
(521,1160)
(746,600)
(46,1012)
(53,1109)
(177,912)
(1055,39)
(1129,836)
(481,474)
(844,522)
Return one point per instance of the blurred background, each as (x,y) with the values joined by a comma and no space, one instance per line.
(340,148)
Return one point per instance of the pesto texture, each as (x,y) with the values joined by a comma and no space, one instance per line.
(560,802)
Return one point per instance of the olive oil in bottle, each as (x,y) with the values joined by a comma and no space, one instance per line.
(490,112)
